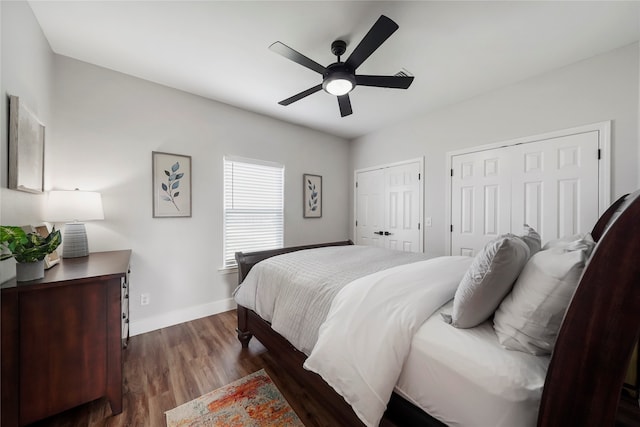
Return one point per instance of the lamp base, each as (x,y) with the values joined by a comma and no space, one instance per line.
(74,242)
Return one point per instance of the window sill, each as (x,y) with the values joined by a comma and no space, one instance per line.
(228,270)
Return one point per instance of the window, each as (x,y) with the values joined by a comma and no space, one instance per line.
(253,207)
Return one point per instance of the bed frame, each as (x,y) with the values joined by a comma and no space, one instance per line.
(590,359)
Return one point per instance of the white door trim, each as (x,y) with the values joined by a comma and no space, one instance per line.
(604,166)
(420,160)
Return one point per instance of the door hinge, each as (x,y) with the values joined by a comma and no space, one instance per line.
(599,154)
(419,177)
(356,223)
(418,226)
(356,184)
(451,228)
(452,172)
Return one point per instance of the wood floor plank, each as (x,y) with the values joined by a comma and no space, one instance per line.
(158,405)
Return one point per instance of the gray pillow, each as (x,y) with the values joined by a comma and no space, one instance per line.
(487,281)
(529,318)
(532,239)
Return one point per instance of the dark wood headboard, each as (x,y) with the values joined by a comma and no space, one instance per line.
(605,218)
(599,330)
(247,260)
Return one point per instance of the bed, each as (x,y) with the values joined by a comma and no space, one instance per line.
(579,384)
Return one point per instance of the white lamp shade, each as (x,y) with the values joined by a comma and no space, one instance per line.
(75,205)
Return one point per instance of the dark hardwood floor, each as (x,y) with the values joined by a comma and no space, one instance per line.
(171,366)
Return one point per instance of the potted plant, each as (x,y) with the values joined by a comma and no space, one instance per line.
(28,249)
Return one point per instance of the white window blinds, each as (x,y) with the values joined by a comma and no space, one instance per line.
(253,207)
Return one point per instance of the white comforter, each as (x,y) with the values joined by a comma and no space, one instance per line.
(294,291)
(367,335)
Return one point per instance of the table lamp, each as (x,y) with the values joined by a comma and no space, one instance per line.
(72,207)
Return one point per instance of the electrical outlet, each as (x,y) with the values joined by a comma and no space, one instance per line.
(145,299)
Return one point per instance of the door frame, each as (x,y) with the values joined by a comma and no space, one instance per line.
(420,161)
(604,166)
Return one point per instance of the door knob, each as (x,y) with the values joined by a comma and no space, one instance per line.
(386,233)
(379,233)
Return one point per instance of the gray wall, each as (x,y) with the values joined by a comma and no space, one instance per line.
(106,126)
(598,89)
(27,72)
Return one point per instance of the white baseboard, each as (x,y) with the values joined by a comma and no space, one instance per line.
(180,316)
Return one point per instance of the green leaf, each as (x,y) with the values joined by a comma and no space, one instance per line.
(27,247)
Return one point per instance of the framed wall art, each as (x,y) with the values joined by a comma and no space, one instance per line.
(26,148)
(171,185)
(312,195)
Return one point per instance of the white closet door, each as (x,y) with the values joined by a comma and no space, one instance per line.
(388,207)
(480,199)
(370,208)
(555,185)
(402,203)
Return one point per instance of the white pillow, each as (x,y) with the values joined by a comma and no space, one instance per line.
(488,280)
(529,318)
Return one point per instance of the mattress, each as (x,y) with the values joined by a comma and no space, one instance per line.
(463,377)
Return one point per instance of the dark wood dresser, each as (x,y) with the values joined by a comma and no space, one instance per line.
(62,337)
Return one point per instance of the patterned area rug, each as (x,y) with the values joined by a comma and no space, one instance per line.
(252,401)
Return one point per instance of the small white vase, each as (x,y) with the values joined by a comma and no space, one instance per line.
(26,271)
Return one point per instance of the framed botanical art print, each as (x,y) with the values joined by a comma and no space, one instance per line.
(171,185)
(26,148)
(312,195)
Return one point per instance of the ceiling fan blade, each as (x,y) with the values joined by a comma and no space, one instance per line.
(381,30)
(296,56)
(301,95)
(345,105)
(396,82)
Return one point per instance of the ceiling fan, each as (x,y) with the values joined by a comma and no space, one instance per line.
(340,78)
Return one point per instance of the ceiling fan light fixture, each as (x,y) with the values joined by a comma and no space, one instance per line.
(340,78)
(339,83)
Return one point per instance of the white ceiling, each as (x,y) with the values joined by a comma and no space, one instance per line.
(219,49)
